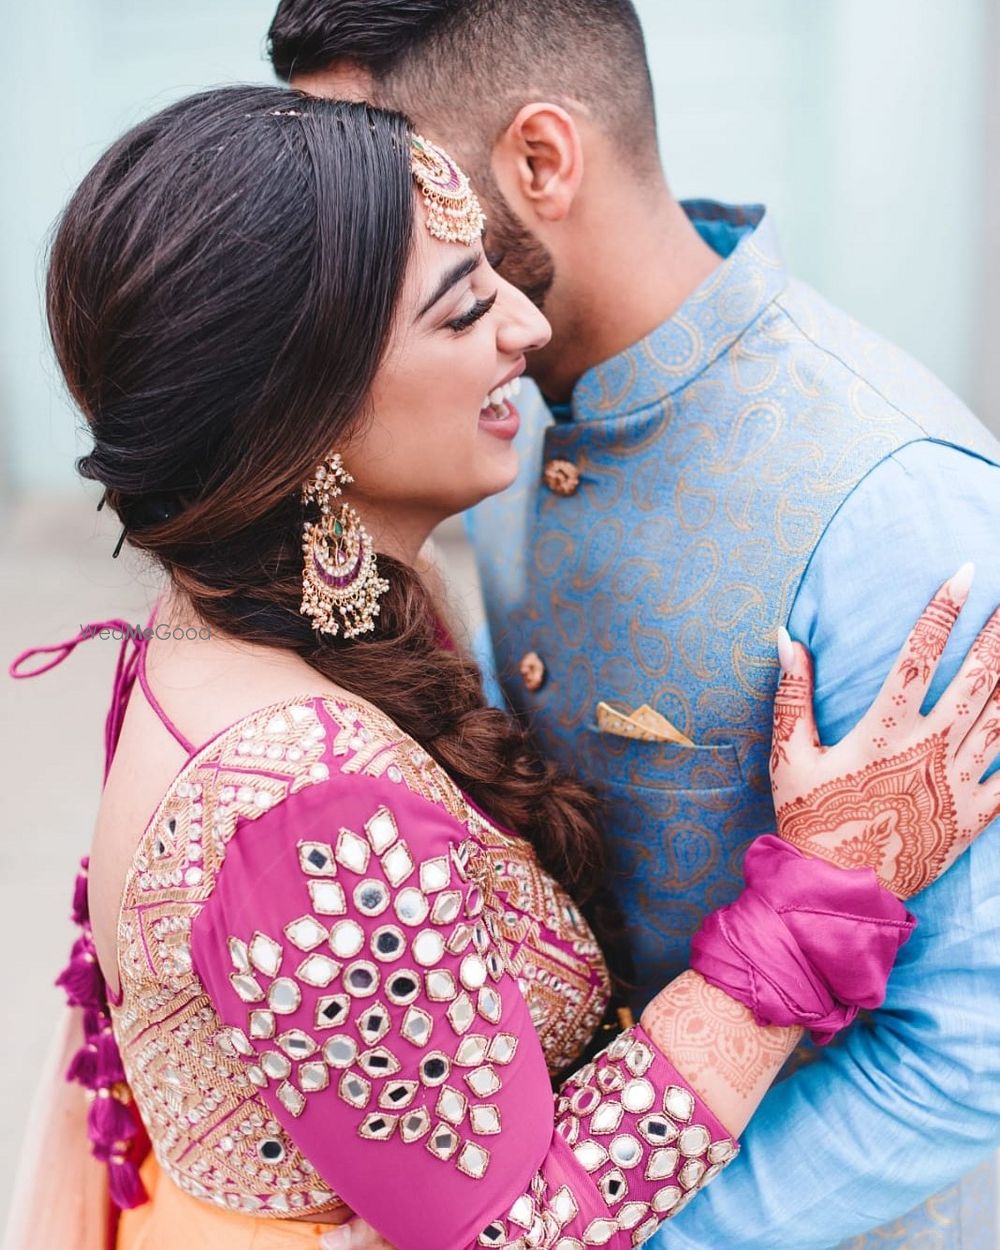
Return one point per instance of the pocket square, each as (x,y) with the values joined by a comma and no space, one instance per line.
(644,724)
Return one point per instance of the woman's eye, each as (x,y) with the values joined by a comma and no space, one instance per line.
(479,309)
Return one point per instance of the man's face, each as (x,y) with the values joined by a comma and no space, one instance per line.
(517,255)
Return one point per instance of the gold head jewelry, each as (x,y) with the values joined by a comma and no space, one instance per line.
(341,586)
(454,214)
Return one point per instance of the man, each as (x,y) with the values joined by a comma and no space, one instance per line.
(728,453)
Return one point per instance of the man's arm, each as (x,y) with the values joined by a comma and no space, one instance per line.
(911,1102)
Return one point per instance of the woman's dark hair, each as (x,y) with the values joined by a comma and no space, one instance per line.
(220,294)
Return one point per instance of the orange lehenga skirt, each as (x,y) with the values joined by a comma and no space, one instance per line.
(173,1220)
(61,1194)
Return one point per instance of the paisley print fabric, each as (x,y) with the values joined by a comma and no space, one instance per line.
(712,458)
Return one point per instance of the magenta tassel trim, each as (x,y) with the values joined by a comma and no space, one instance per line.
(127,1189)
(82,980)
(110,1070)
(83,1066)
(81,905)
(112,1123)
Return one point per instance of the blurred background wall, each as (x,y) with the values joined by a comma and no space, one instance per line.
(861,123)
(870,127)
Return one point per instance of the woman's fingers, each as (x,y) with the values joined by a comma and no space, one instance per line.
(355,1235)
(981,745)
(904,690)
(990,800)
(794,721)
(968,700)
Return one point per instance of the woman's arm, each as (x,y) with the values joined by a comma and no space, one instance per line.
(372,1002)
(728,1057)
(722,1052)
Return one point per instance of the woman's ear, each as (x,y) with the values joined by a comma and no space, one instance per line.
(538,160)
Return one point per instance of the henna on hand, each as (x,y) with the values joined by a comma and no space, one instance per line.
(984,673)
(926,644)
(902,793)
(895,815)
(717,1046)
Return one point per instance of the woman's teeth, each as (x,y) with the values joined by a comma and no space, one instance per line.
(496,397)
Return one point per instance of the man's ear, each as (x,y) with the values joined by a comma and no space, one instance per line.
(539,160)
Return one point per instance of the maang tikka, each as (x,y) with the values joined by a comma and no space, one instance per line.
(341,586)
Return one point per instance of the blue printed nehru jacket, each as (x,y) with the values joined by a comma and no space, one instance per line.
(762,459)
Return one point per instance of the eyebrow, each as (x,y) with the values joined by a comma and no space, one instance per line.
(450,279)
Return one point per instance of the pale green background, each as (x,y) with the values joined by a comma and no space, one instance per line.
(863,124)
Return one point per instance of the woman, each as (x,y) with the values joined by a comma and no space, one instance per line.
(339,961)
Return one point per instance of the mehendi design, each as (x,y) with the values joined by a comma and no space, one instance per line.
(790,705)
(897,815)
(715,1041)
(986,652)
(911,811)
(929,638)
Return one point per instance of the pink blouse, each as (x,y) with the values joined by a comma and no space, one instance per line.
(340,982)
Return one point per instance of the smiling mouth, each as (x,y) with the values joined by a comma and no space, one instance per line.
(497,404)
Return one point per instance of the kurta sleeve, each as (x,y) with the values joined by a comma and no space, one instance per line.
(355,963)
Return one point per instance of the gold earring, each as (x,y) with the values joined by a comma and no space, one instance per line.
(341,586)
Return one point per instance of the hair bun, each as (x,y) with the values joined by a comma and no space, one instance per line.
(140,511)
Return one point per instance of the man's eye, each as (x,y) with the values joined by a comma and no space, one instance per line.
(479,309)
(495,258)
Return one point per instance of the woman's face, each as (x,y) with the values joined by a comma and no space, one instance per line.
(435,444)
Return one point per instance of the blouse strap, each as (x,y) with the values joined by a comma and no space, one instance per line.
(63,650)
(124,671)
(157,707)
(131,663)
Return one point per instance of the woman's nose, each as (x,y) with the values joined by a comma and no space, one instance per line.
(523,327)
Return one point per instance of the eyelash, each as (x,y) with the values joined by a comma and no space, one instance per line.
(478,310)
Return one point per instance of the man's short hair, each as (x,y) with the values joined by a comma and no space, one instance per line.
(481,60)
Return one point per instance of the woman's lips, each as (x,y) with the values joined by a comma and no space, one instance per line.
(498,416)
(500,420)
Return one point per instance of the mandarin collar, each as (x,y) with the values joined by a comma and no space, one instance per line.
(710,320)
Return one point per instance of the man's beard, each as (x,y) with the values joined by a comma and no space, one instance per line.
(523,260)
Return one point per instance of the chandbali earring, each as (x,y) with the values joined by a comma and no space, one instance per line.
(341,586)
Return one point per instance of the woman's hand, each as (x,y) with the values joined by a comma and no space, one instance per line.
(355,1235)
(901,793)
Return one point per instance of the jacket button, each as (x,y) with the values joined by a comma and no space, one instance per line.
(562,477)
(532,670)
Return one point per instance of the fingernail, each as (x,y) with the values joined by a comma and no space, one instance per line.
(961,583)
(786,652)
(336,1239)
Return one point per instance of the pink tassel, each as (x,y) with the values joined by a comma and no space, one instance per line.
(109,1060)
(127,1189)
(109,1120)
(94,1023)
(83,1066)
(82,980)
(81,905)
(114,1130)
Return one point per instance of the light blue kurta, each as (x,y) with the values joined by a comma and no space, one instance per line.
(761,458)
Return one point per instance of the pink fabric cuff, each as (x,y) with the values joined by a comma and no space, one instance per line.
(806,943)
